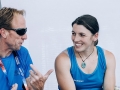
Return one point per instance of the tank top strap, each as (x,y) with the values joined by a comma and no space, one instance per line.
(72,59)
(101,57)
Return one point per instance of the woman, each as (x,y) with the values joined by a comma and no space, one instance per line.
(85,66)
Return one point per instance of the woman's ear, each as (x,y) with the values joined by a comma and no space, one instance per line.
(95,37)
(0,31)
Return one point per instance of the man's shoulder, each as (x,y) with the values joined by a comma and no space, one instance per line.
(22,48)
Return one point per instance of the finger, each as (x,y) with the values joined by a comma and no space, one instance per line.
(33,75)
(14,86)
(35,70)
(28,83)
(36,85)
(48,73)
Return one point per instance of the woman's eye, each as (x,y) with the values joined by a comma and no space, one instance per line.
(73,33)
(82,35)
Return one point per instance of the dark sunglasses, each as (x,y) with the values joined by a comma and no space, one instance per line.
(19,31)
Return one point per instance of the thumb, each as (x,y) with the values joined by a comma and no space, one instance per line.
(48,73)
(14,86)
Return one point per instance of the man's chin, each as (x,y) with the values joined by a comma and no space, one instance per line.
(17,48)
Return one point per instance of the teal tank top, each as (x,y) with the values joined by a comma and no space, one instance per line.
(93,81)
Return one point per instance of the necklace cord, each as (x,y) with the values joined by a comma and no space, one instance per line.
(86,57)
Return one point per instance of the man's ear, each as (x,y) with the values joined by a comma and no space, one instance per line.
(3,33)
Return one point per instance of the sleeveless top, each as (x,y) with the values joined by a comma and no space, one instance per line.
(93,81)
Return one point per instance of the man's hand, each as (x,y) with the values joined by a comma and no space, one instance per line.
(36,79)
(14,86)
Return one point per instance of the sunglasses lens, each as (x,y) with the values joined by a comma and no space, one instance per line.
(21,31)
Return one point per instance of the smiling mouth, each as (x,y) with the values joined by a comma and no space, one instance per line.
(78,45)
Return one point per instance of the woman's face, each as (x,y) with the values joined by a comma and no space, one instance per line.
(82,38)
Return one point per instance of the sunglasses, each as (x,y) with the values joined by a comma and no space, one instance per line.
(19,31)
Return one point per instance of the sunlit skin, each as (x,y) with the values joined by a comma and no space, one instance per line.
(10,40)
(15,40)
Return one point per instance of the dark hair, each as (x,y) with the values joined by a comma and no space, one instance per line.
(6,16)
(89,22)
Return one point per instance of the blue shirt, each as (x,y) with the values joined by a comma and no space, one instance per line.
(13,75)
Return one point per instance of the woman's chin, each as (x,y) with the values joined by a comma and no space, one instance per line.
(78,49)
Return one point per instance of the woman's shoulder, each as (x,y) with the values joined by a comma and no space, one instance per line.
(110,58)
(62,59)
(107,53)
(63,55)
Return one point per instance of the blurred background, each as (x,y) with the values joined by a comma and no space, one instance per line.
(49,29)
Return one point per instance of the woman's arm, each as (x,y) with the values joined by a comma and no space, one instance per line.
(62,69)
(109,80)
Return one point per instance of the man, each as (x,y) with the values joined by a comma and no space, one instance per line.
(15,68)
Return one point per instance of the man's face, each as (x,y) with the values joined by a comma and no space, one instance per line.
(13,40)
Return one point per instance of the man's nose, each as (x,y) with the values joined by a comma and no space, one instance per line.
(24,37)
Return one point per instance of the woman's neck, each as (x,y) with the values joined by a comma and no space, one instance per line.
(87,52)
